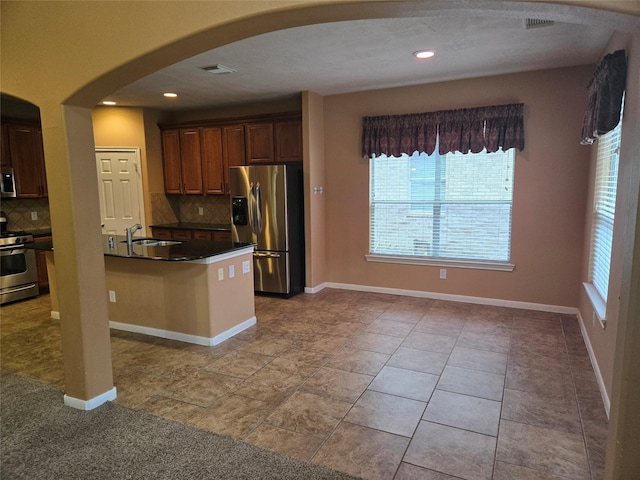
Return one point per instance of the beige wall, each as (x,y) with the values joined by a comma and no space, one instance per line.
(549,187)
(314,177)
(134,127)
(616,345)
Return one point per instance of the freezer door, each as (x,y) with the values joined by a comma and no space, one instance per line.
(271,272)
(241,187)
(270,196)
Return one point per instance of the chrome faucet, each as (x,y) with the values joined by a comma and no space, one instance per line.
(130,231)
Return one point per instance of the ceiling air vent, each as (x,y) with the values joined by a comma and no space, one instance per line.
(537,22)
(218,69)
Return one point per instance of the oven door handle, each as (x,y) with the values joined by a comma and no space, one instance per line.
(8,290)
(11,251)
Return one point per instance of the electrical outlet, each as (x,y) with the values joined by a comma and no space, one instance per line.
(246,266)
(443,273)
(200,211)
(112,296)
(34,215)
(232,271)
(221,274)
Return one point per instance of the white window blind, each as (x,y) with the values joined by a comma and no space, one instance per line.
(454,206)
(604,206)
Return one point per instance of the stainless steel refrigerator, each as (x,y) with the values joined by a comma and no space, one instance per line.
(267,210)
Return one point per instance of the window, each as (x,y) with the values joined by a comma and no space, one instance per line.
(604,206)
(442,208)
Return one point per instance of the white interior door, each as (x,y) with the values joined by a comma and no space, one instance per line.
(120,188)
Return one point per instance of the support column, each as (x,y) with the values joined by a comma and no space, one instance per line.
(80,277)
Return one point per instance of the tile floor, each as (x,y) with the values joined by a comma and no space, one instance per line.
(378,386)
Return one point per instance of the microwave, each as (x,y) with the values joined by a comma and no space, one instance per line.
(8,185)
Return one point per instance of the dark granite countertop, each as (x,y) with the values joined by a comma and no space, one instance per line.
(40,232)
(181,251)
(195,226)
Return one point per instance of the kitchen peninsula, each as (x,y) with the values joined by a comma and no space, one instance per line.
(194,291)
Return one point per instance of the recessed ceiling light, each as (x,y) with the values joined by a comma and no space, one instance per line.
(108,102)
(422,54)
(170,95)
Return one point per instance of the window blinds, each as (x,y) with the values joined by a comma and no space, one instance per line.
(604,206)
(451,206)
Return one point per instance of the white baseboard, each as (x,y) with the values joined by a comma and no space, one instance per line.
(455,298)
(315,289)
(184,337)
(594,365)
(92,403)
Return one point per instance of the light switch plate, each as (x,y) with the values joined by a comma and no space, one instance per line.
(34,215)
(112,296)
(232,271)
(246,266)
(200,211)
(221,274)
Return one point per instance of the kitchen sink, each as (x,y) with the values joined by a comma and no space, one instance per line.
(153,242)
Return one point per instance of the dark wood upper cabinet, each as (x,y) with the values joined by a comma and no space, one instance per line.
(27,160)
(171,161)
(288,141)
(191,160)
(234,150)
(212,161)
(259,139)
(5,157)
(197,155)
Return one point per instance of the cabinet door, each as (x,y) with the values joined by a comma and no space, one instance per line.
(260,143)
(25,144)
(233,146)
(179,234)
(5,158)
(201,235)
(41,266)
(161,233)
(191,159)
(39,151)
(212,161)
(221,236)
(171,161)
(233,150)
(288,140)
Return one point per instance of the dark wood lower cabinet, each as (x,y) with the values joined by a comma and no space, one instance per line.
(187,234)
(41,265)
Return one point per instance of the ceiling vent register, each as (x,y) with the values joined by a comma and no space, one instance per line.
(218,69)
(536,23)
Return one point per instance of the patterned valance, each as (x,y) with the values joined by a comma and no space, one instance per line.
(606,90)
(463,130)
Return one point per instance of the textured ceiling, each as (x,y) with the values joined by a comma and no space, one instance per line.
(361,55)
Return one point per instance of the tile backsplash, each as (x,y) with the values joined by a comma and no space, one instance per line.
(20,212)
(186,208)
(164,209)
(215,208)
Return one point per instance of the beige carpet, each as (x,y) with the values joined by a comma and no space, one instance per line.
(43,439)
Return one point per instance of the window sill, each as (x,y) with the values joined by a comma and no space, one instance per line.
(597,302)
(436,262)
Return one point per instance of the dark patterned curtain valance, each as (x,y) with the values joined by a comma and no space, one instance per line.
(605,97)
(464,130)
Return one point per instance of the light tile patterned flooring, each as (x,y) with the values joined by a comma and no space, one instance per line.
(378,386)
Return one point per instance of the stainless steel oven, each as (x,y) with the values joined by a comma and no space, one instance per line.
(18,270)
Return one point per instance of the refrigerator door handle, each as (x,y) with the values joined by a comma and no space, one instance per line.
(266,255)
(258,208)
(251,208)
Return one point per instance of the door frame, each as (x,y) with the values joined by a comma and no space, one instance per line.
(136,152)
